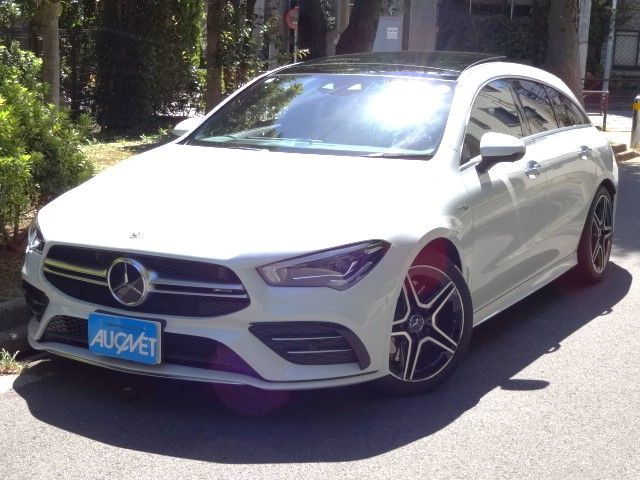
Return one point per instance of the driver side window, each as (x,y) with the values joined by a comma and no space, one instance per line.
(494,110)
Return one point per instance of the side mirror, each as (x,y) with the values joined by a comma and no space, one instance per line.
(499,147)
(185,126)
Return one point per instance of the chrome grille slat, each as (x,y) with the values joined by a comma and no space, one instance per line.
(240,294)
(74,277)
(75,268)
(223,290)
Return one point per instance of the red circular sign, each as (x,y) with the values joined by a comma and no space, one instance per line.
(291,18)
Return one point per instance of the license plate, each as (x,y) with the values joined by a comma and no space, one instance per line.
(125,338)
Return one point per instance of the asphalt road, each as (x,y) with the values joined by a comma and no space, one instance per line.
(550,389)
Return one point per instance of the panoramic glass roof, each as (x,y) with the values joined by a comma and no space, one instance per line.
(449,64)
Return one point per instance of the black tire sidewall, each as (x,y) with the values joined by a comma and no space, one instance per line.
(585,267)
(395,386)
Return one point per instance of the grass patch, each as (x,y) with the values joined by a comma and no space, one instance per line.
(8,363)
(106,150)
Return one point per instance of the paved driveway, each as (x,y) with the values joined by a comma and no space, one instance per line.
(550,389)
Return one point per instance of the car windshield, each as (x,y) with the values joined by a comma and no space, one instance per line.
(367,114)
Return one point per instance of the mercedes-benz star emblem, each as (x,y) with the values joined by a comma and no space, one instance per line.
(127,282)
(416,323)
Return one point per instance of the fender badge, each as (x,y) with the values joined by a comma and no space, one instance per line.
(135,235)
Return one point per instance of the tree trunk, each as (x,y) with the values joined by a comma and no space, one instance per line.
(213,92)
(49,11)
(313,29)
(247,20)
(539,28)
(563,56)
(363,26)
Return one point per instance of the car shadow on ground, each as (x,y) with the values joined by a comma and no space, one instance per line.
(242,425)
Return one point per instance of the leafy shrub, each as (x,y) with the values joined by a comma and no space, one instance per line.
(16,188)
(40,156)
(149,52)
(491,34)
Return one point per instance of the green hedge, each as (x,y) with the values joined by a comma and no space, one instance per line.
(490,34)
(40,155)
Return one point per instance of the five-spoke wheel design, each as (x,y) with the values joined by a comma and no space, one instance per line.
(601,233)
(428,325)
(596,242)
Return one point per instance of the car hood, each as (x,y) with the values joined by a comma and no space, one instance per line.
(225,203)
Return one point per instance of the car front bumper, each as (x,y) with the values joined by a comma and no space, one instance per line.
(366,310)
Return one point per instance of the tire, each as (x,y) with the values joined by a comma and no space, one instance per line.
(431,328)
(596,241)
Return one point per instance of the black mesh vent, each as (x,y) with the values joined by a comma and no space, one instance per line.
(69,330)
(177,349)
(36,299)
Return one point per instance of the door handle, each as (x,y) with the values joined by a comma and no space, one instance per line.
(533,169)
(585,152)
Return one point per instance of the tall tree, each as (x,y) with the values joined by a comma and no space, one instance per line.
(363,26)
(561,52)
(313,29)
(213,53)
(49,11)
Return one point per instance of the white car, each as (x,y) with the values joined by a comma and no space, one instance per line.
(333,222)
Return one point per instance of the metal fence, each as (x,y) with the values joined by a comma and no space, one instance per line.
(627,49)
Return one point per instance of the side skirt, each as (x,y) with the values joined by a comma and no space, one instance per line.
(525,289)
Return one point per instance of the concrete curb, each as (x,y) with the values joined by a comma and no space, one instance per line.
(14,317)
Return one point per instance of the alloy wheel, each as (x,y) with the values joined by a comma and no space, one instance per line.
(601,233)
(428,325)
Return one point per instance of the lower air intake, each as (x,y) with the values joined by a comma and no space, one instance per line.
(312,343)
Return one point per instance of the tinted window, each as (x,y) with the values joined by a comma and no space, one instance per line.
(494,110)
(576,113)
(536,105)
(567,113)
(352,114)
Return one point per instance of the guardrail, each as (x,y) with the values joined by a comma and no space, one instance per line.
(603,104)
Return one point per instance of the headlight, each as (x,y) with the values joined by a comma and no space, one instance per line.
(35,240)
(338,268)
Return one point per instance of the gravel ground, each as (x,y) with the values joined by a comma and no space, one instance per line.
(549,390)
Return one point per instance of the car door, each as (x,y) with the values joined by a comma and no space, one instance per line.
(570,173)
(500,198)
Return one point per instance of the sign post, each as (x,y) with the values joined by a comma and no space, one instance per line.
(291,19)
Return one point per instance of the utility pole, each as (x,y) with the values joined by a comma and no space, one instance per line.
(608,61)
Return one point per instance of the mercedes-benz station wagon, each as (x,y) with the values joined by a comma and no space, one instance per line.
(335,221)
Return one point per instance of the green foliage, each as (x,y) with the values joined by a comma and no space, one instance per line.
(493,34)
(40,156)
(16,189)
(149,53)
(8,363)
(241,43)
(77,55)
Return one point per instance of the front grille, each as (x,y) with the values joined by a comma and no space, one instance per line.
(36,300)
(177,349)
(312,343)
(177,287)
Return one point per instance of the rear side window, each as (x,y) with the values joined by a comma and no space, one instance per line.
(536,105)
(567,113)
(494,110)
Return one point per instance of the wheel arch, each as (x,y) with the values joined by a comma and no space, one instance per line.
(608,184)
(442,246)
